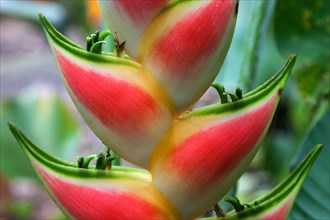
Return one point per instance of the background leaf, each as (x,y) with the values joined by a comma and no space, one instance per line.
(247,51)
(313,201)
(307,33)
(298,27)
(49,123)
(259,19)
(313,82)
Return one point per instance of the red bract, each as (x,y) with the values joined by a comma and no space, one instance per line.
(208,149)
(119,99)
(183,45)
(120,193)
(124,196)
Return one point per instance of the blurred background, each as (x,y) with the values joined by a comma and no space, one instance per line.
(267,32)
(34,97)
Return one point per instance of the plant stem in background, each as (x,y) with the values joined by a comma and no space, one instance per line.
(261,13)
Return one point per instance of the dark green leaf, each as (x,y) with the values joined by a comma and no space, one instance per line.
(258,22)
(313,201)
(313,82)
(302,27)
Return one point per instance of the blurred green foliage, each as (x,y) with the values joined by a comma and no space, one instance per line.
(313,201)
(49,123)
(307,33)
(302,27)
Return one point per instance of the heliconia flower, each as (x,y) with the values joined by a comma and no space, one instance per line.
(119,99)
(119,193)
(208,149)
(277,204)
(183,44)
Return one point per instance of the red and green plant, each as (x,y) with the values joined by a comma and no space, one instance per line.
(138,100)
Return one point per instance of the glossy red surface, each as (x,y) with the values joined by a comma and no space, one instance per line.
(83,202)
(141,11)
(193,39)
(121,106)
(211,154)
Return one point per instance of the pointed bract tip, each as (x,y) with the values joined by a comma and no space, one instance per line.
(14,130)
(315,153)
(42,19)
(274,85)
(287,68)
(291,60)
(318,147)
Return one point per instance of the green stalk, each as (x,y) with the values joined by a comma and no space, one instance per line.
(257,24)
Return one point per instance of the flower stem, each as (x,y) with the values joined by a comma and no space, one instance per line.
(258,23)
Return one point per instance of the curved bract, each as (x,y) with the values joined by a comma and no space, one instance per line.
(207,150)
(182,43)
(121,193)
(118,98)
(277,203)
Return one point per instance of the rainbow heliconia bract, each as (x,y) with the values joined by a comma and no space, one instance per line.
(182,43)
